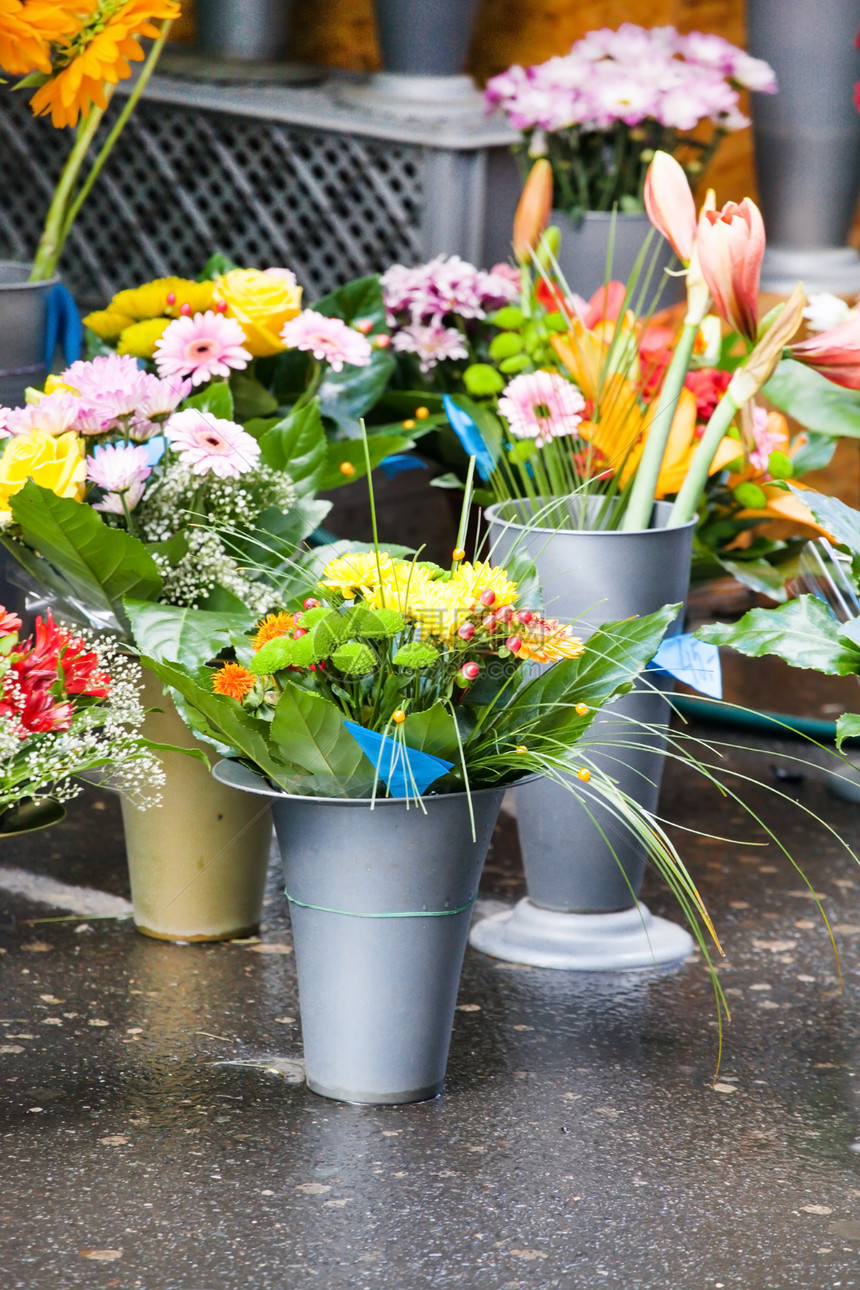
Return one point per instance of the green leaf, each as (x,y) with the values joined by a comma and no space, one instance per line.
(347,395)
(310,733)
(218,717)
(361,298)
(279,534)
(217,265)
(842,521)
(815,402)
(847,727)
(803,633)
(298,445)
(251,398)
(216,399)
(433,731)
(351,451)
(815,454)
(100,563)
(182,635)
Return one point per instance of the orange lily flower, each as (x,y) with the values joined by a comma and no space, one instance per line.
(680,447)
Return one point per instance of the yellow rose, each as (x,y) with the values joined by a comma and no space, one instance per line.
(261,301)
(58,463)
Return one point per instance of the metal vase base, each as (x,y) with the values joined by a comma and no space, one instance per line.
(545,938)
(407,97)
(824,268)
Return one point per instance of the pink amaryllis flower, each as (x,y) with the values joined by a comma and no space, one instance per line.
(541,406)
(121,470)
(730,245)
(330,340)
(209,444)
(201,347)
(670,205)
(835,353)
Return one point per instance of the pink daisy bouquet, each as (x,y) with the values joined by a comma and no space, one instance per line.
(600,112)
(116,482)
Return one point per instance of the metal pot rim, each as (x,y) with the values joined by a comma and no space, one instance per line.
(493,517)
(26,265)
(234,774)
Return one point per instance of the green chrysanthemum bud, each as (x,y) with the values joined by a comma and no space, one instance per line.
(481,380)
(505,345)
(375,624)
(354,658)
(751,496)
(780,465)
(415,655)
(518,363)
(311,617)
(510,317)
(284,652)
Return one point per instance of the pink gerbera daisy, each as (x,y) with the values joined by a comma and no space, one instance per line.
(209,444)
(330,340)
(201,347)
(540,406)
(121,470)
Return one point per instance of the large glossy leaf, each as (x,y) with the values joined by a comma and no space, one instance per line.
(216,399)
(347,395)
(225,721)
(278,534)
(814,401)
(359,299)
(101,564)
(182,635)
(804,633)
(847,727)
(310,733)
(612,659)
(351,451)
(297,445)
(433,731)
(841,521)
(251,398)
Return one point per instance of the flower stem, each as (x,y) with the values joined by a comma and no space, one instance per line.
(641,500)
(687,501)
(53,235)
(117,129)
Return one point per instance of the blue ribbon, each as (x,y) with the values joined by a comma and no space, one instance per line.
(469,435)
(400,461)
(62,326)
(400,778)
(692,661)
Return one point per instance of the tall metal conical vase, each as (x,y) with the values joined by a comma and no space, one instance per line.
(380,897)
(807,141)
(583,869)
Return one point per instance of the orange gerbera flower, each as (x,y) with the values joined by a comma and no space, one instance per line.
(29,27)
(99,56)
(273,626)
(233,680)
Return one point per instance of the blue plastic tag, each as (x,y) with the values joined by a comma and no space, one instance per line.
(63,326)
(692,661)
(402,780)
(400,461)
(469,435)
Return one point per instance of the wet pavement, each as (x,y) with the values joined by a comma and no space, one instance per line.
(155,1135)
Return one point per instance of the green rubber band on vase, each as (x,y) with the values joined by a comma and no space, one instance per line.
(411,913)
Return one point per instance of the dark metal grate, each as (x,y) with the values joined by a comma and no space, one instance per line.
(184,183)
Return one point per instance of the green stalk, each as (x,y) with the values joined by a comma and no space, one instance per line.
(687,501)
(53,236)
(641,501)
(117,129)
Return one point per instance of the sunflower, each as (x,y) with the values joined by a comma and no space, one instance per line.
(233,680)
(271,627)
(28,29)
(98,55)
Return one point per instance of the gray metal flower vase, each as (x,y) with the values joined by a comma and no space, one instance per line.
(584,873)
(244,30)
(807,141)
(584,255)
(380,901)
(23,313)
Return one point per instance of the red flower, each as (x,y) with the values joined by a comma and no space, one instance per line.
(9,622)
(709,384)
(50,666)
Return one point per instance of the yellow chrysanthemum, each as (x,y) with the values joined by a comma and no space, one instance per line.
(469,580)
(108,324)
(438,608)
(163,298)
(272,626)
(98,55)
(358,571)
(403,585)
(139,340)
(28,29)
